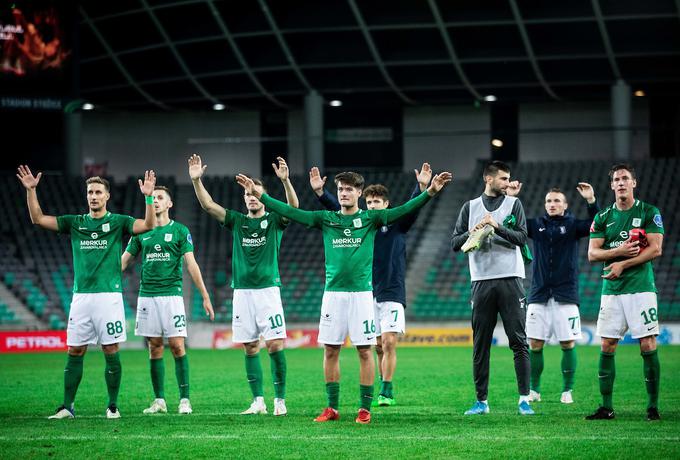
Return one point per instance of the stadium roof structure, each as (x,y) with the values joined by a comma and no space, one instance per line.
(268,54)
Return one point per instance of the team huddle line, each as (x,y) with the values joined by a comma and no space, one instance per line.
(364,295)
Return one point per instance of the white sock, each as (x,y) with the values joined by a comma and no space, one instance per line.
(523,398)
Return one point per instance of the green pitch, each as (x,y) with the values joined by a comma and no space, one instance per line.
(433,388)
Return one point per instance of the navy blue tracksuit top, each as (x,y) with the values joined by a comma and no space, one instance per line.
(389,253)
(555,267)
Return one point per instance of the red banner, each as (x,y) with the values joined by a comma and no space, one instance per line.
(297,338)
(33,341)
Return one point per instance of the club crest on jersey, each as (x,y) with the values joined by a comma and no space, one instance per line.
(563,229)
(106,227)
(384,229)
(658,221)
(357,222)
(168,237)
(637,221)
(264,224)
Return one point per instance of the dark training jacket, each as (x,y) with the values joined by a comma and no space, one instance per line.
(555,268)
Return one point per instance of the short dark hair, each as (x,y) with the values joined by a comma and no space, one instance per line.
(620,166)
(99,180)
(259,182)
(377,190)
(165,189)
(350,178)
(558,190)
(492,168)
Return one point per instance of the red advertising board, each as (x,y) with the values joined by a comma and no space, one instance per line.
(32,341)
(297,338)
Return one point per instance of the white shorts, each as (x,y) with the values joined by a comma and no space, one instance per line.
(96,318)
(553,318)
(257,312)
(161,316)
(389,317)
(345,313)
(637,312)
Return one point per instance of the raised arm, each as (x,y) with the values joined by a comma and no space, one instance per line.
(423,178)
(309,218)
(196,170)
(30,183)
(146,187)
(195,272)
(283,173)
(588,193)
(326,198)
(438,183)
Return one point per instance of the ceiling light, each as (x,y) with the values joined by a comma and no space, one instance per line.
(219,106)
(639,93)
(87,106)
(335,103)
(497,143)
(490,98)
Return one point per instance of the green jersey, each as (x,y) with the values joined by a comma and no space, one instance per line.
(97,245)
(614,226)
(162,249)
(347,239)
(255,257)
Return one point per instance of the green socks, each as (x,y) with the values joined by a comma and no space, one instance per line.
(158,377)
(112,374)
(652,371)
(568,368)
(73,373)
(386,389)
(606,374)
(182,374)
(366,392)
(333,393)
(279,373)
(254,374)
(536,361)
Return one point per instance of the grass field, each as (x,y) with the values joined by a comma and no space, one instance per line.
(433,388)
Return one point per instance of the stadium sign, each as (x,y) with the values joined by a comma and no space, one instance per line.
(36,341)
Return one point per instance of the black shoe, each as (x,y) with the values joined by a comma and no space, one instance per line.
(653,414)
(602,413)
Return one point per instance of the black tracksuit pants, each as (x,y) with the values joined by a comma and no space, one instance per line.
(489,298)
